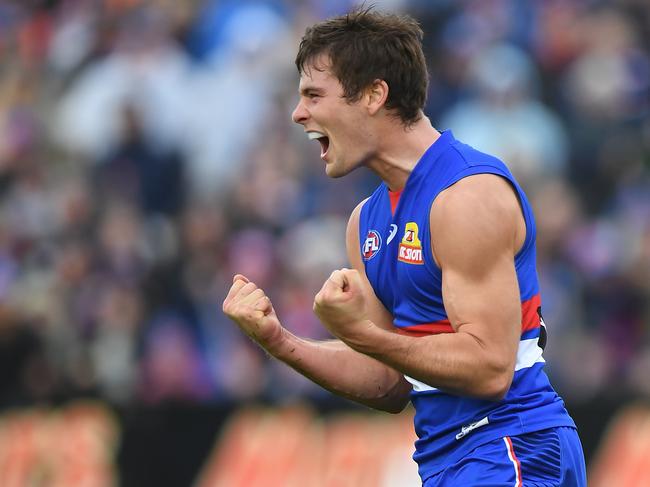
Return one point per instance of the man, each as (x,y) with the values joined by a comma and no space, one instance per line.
(442,305)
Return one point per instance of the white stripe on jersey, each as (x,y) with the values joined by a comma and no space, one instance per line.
(528,354)
(514,460)
(419,386)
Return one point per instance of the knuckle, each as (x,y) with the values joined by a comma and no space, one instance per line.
(229,309)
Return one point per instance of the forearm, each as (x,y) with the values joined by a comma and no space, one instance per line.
(343,371)
(456,362)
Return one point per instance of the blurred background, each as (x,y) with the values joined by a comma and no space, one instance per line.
(147,154)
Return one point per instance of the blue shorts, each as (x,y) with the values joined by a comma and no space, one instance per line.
(551,457)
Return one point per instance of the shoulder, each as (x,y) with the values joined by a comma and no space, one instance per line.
(353,221)
(352,237)
(483,192)
(479,212)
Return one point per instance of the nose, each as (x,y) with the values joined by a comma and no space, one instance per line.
(300,114)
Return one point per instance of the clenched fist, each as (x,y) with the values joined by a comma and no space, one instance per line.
(341,306)
(252,310)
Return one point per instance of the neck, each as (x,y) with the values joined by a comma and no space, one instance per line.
(400,148)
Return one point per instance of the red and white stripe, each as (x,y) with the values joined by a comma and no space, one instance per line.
(515,461)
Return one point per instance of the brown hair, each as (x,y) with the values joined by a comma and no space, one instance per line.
(365,45)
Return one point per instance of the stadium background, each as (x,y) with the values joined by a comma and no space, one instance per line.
(147,153)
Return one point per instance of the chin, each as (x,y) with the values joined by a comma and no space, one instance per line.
(336,169)
(333,172)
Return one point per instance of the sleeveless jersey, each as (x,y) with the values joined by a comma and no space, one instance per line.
(396,251)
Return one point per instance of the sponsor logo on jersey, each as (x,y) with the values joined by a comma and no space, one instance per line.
(391,235)
(410,248)
(372,245)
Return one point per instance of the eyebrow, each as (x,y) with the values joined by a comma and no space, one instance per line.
(311,89)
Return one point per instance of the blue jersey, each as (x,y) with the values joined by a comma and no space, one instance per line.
(395,244)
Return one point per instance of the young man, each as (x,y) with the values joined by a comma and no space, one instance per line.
(442,305)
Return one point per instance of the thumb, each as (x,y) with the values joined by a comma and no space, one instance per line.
(352,279)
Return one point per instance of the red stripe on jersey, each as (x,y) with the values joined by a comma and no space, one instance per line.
(529,315)
(425,329)
(394,199)
(515,461)
(529,321)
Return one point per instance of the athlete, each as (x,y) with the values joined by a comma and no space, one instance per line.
(441,306)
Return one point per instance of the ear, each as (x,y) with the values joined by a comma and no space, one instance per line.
(376,96)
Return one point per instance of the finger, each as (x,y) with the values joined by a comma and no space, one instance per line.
(264,305)
(253,297)
(234,289)
(245,290)
(240,277)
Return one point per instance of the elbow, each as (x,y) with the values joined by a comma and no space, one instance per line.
(497,384)
(396,406)
(387,404)
(397,398)
(497,392)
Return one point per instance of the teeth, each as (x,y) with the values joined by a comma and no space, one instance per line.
(315,135)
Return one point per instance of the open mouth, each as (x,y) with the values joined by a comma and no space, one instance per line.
(323,139)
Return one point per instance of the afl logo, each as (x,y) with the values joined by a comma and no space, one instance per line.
(372,245)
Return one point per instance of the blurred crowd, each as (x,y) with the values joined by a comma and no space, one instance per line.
(147,154)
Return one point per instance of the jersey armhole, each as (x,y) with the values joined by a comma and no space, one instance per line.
(524,206)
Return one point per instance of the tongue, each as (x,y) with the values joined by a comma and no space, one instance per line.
(324,145)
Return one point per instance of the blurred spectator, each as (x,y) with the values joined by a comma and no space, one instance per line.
(145,65)
(504,118)
(172,365)
(137,169)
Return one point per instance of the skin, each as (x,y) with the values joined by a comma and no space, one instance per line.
(476,226)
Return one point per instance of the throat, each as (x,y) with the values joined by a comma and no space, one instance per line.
(394,197)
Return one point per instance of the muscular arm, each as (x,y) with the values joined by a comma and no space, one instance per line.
(477,228)
(332,364)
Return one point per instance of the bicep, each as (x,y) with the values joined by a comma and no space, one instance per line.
(484,304)
(476,254)
(377,312)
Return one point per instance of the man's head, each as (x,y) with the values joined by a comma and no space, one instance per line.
(356,72)
(364,46)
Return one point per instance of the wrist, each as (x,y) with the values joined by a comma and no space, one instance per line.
(278,344)
(362,336)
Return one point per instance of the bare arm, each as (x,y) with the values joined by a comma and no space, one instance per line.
(476,227)
(332,364)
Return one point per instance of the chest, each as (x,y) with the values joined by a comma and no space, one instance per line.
(396,250)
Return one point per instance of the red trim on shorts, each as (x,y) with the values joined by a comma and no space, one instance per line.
(515,461)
